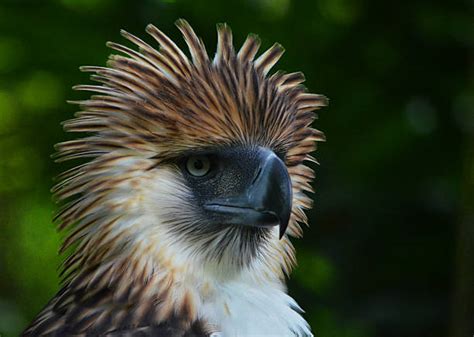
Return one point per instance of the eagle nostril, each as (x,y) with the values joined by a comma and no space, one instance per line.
(257,175)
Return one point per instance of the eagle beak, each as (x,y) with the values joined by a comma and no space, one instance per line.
(266,202)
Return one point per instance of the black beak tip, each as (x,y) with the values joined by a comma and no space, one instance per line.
(283,226)
(282,231)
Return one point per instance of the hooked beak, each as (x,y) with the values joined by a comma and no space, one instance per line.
(266,202)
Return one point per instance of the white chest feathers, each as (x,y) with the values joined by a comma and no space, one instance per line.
(239,309)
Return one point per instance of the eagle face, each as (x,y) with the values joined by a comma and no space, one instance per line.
(178,222)
(241,187)
(235,198)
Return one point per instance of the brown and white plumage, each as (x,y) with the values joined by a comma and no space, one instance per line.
(142,258)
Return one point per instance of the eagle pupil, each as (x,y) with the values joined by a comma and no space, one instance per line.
(198,164)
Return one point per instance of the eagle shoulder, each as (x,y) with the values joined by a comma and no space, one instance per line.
(112,309)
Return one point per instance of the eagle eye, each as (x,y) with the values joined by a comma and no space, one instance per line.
(198,166)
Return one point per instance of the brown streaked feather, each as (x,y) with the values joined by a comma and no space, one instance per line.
(225,49)
(268,59)
(170,51)
(249,49)
(196,46)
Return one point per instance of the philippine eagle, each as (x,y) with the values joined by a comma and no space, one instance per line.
(178,224)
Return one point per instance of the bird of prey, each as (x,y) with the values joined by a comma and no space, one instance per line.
(191,180)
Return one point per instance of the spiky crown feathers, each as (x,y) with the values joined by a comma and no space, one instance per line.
(161,102)
(157,103)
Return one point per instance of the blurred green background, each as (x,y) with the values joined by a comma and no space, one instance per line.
(390,248)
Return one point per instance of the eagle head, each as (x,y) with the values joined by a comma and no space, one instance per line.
(196,170)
